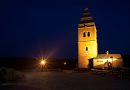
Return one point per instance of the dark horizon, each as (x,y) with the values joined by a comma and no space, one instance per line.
(52,63)
(35,28)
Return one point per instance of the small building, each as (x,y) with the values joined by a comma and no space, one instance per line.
(108,61)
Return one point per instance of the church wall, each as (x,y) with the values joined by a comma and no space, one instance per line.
(92,31)
(84,55)
(116,61)
(87,46)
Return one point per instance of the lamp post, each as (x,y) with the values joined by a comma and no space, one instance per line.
(107,55)
(65,63)
(42,63)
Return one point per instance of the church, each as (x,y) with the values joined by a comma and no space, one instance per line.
(88,55)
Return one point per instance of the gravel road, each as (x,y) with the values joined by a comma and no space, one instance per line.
(67,80)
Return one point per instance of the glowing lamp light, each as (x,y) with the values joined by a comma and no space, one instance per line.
(43,62)
(65,63)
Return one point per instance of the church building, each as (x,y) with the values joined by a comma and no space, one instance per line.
(88,46)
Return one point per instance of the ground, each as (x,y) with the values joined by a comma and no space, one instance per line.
(67,80)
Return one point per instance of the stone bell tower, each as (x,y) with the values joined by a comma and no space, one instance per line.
(87,40)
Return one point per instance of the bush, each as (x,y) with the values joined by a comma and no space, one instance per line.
(10,75)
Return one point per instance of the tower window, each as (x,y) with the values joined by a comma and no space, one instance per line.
(86,48)
(84,34)
(88,34)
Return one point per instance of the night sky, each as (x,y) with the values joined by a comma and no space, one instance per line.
(30,28)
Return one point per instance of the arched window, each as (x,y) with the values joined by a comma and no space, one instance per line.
(88,34)
(84,34)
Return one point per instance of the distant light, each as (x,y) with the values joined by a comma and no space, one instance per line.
(65,63)
(107,52)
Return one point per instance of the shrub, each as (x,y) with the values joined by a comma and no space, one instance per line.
(10,75)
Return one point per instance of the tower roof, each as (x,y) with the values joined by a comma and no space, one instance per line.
(86,18)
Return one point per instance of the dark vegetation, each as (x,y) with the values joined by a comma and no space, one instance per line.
(126,60)
(10,75)
(10,67)
(52,63)
(31,63)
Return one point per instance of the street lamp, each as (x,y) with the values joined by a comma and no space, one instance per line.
(43,63)
(65,63)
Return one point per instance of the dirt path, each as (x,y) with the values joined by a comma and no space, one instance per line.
(71,81)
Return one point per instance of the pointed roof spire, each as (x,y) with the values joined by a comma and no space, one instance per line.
(86,13)
(86,18)
(86,9)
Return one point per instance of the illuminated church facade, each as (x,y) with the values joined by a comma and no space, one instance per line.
(88,46)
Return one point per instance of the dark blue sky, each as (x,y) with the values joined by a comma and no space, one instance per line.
(49,27)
